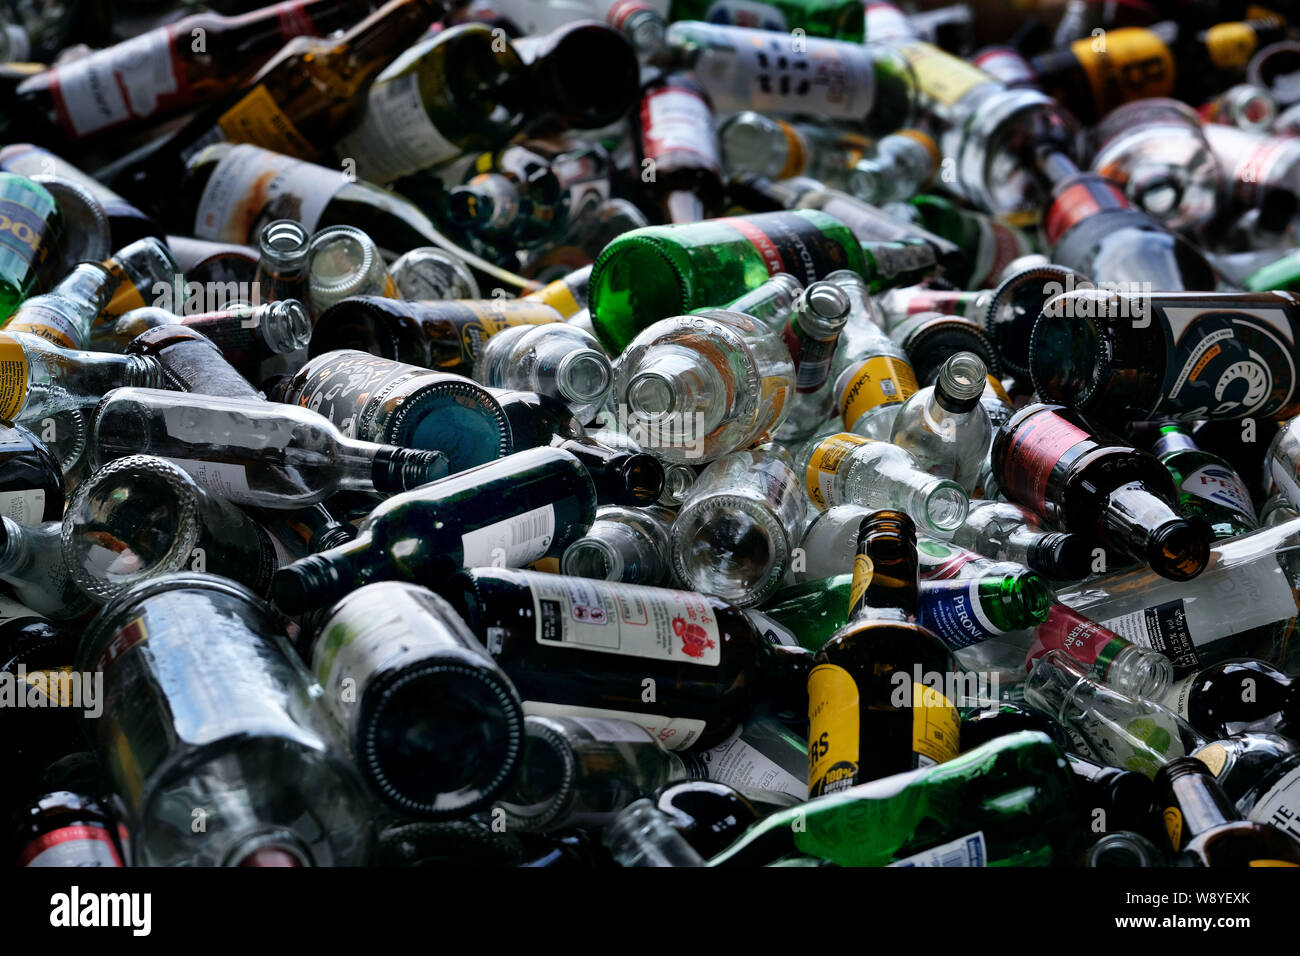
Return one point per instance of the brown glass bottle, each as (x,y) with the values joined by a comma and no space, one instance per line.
(1205,829)
(677,149)
(586,647)
(304,98)
(1123,357)
(582,76)
(444,336)
(169,69)
(1082,479)
(872,708)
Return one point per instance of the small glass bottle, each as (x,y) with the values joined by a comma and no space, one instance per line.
(732,534)
(944,427)
(680,379)
(623,544)
(555,359)
(848,469)
(343,261)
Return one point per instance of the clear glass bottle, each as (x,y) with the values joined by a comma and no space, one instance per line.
(944,427)
(732,534)
(31,563)
(65,314)
(768,146)
(1005,531)
(41,378)
(849,469)
(680,382)
(245,746)
(140,517)
(344,261)
(431,274)
(581,771)
(900,167)
(555,359)
(251,452)
(623,544)
(284,262)
(643,835)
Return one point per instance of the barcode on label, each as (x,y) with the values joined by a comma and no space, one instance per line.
(969,850)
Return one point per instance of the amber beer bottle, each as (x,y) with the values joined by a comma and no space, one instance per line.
(869,714)
(1082,479)
(1121,357)
(169,69)
(1205,829)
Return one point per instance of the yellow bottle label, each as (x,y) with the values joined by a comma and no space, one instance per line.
(1230,45)
(819,478)
(558,296)
(999,391)
(863,570)
(796,155)
(936,725)
(1125,65)
(1271,863)
(48,332)
(57,689)
(880,380)
(941,75)
(1173,818)
(13,377)
(258,119)
(1213,756)
(125,296)
(832,731)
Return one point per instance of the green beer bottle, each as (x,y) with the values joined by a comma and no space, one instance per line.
(1207,485)
(656,272)
(1010,802)
(31,231)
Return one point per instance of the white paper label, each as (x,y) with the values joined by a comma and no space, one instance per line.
(1220,485)
(743,767)
(225,479)
(72,846)
(626,619)
(673,733)
(746,13)
(396,136)
(516,541)
(964,851)
(678,120)
(12,610)
(1178,694)
(1279,806)
(26,507)
(252,186)
(114,84)
(772,631)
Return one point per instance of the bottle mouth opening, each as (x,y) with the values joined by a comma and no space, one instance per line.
(678,480)
(284,241)
(275,848)
(962,380)
(651,396)
(585,376)
(291,330)
(592,558)
(825,302)
(946,505)
(1179,550)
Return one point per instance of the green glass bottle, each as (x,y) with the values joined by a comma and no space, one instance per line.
(1207,485)
(661,271)
(1011,802)
(834,19)
(31,232)
(990,245)
(1280,275)
(960,611)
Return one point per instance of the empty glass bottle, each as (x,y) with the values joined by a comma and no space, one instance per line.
(1007,532)
(732,533)
(65,314)
(555,359)
(677,385)
(31,563)
(623,544)
(944,427)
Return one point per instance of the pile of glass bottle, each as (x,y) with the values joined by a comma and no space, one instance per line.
(598,433)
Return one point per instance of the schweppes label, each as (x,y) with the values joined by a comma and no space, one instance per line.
(833,704)
(880,380)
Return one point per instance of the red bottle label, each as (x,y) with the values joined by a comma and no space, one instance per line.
(79,845)
(676,120)
(1037,445)
(1084,640)
(1078,202)
(294,20)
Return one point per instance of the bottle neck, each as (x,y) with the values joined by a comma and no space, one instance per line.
(14,548)
(676,384)
(1144,526)
(1187,786)
(620,477)
(321,579)
(884,570)
(1172,439)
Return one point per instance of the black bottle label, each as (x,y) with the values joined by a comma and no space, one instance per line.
(1227,364)
(790,243)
